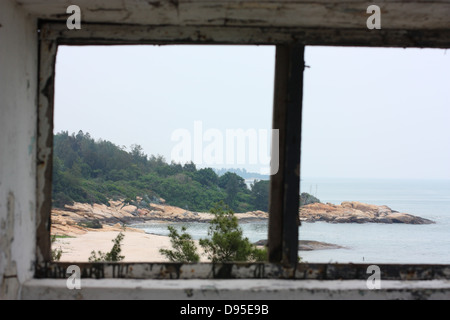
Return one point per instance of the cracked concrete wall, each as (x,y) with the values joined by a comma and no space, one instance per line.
(18,124)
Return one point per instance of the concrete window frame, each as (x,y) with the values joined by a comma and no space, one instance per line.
(282,236)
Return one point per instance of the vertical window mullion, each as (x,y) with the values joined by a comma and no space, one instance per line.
(285,184)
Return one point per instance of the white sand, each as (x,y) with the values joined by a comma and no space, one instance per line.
(136,246)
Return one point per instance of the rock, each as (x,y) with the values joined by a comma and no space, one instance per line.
(408,219)
(383,220)
(142,212)
(154,208)
(260,213)
(383,210)
(356,212)
(129,209)
(360,206)
(307,245)
(261,243)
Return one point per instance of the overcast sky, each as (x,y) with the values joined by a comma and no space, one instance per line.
(368,113)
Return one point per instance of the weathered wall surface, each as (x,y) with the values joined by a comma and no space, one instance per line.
(18,88)
(256,290)
(405,15)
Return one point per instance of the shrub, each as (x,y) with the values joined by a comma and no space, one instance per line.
(56,253)
(61,199)
(113,255)
(227,243)
(184,247)
(306,198)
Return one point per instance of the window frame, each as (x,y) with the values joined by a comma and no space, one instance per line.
(287,118)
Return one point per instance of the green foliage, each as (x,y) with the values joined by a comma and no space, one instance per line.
(56,253)
(306,198)
(232,178)
(260,255)
(206,177)
(90,171)
(227,243)
(260,195)
(113,255)
(184,247)
(236,191)
(61,237)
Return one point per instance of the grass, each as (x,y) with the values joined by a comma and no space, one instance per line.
(63,237)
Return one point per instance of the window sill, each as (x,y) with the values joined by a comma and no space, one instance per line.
(242,289)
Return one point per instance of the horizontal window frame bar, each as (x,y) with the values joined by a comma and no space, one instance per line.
(117,34)
(303,271)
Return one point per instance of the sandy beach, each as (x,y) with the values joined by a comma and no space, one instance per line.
(78,237)
(136,246)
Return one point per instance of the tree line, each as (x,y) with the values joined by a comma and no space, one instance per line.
(94,171)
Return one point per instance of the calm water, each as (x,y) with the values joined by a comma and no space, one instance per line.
(369,243)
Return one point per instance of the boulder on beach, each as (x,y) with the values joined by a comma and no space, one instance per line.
(307,245)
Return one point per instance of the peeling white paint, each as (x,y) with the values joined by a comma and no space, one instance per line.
(18,118)
(402,15)
(235,290)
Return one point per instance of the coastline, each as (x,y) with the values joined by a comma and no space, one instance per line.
(83,228)
(78,218)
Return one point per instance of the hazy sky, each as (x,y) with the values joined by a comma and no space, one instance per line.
(368,113)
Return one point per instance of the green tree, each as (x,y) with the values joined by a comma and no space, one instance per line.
(235,187)
(207,177)
(138,155)
(232,189)
(227,243)
(184,247)
(306,198)
(225,180)
(260,195)
(190,167)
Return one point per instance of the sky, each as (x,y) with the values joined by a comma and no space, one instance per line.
(367,112)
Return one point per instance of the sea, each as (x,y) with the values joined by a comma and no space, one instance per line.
(370,242)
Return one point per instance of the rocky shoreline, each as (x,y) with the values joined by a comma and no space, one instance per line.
(80,218)
(357,212)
